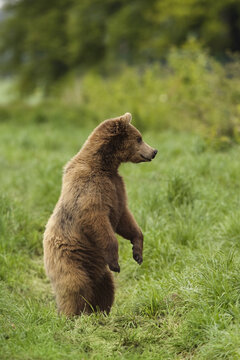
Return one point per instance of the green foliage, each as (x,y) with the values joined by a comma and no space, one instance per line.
(42,41)
(191,92)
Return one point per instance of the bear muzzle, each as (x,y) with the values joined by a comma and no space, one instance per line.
(154,153)
(149,157)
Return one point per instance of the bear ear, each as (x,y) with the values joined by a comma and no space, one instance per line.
(120,123)
(126,117)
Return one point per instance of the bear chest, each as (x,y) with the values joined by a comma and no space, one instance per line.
(117,203)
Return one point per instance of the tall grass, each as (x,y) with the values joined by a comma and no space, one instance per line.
(181,303)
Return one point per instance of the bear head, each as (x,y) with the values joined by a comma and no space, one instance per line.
(116,140)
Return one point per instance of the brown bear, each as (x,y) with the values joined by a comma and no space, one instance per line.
(80,245)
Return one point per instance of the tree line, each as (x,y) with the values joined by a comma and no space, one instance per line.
(41,41)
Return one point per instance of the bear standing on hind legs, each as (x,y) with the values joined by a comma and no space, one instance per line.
(80,245)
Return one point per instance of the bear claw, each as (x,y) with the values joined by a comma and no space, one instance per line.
(138,259)
(115,268)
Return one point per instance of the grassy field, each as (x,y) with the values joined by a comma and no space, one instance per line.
(182,303)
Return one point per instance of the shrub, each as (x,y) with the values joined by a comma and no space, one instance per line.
(190,92)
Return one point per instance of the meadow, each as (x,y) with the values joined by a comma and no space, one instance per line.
(181,303)
(67,65)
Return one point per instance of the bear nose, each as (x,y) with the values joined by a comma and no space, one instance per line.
(154,154)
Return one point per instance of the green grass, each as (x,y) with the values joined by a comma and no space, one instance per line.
(182,303)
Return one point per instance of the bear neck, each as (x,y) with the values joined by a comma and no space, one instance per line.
(104,157)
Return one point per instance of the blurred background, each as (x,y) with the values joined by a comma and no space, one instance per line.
(173,64)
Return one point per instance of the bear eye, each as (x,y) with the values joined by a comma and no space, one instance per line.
(139,139)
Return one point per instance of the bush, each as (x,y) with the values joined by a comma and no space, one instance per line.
(191,91)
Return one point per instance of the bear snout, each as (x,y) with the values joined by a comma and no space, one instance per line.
(154,153)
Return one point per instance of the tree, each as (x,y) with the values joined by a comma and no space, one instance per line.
(41,41)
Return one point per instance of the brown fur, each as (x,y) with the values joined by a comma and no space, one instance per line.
(80,245)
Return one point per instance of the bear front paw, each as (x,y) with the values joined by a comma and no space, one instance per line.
(115,268)
(137,257)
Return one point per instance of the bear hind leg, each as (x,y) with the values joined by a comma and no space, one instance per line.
(74,293)
(103,293)
(73,304)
